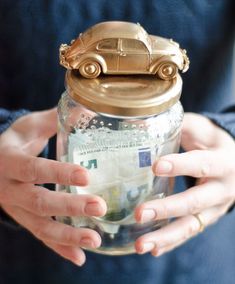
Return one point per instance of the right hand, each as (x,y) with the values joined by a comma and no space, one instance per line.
(31,205)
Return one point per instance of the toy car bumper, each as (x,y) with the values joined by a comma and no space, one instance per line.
(186,61)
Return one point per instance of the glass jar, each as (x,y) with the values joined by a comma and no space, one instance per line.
(116,127)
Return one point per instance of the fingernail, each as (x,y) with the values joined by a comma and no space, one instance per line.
(163,167)
(79,177)
(93,209)
(155,252)
(148,215)
(146,247)
(78,262)
(87,242)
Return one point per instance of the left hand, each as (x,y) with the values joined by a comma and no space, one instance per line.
(209,157)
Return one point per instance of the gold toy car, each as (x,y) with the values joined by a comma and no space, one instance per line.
(123,48)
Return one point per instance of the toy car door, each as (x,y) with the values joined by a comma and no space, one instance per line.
(108,49)
(134,56)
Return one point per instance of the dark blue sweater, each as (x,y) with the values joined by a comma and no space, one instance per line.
(30,78)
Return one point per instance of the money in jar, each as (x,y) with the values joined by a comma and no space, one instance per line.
(116,127)
(118,145)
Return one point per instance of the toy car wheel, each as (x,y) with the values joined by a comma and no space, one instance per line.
(90,69)
(167,70)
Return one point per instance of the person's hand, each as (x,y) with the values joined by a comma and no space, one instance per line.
(32,205)
(210,158)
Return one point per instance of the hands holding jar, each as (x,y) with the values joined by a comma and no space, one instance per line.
(32,205)
(209,157)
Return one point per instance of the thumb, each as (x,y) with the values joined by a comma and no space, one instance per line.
(198,132)
(31,132)
(35,147)
(36,124)
(46,122)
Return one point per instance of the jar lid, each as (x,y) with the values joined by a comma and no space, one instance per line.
(137,95)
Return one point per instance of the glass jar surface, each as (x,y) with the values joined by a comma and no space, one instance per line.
(118,152)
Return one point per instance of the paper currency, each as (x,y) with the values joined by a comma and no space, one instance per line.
(119,165)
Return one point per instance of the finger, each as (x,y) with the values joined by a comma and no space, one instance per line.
(74,254)
(191,201)
(177,232)
(31,169)
(160,251)
(43,202)
(52,231)
(181,229)
(195,163)
(210,216)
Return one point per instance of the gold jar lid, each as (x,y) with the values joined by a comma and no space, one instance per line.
(137,95)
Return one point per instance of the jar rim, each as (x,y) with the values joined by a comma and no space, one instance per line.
(137,95)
